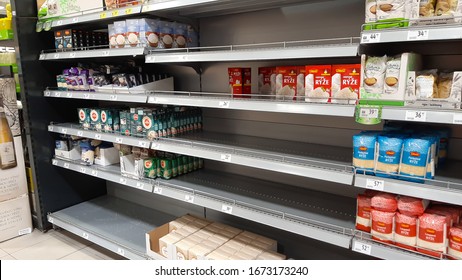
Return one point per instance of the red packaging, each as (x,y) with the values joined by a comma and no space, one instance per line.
(405,231)
(318,83)
(455,243)
(247,88)
(286,82)
(382,226)
(363,215)
(454,210)
(411,206)
(264,81)
(301,82)
(235,81)
(346,80)
(432,236)
(384,202)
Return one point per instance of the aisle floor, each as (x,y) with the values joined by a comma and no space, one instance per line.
(53,245)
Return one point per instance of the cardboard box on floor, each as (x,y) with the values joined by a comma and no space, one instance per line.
(15,218)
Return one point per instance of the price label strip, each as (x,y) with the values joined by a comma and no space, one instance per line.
(121,252)
(417,35)
(370,38)
(368,114)
(227,209)
(224,104)
(139,185)
(85,235)
(158,190)
(378,185)
(416,116)
(362,248)
(457,119)
(226,157)
(189,198)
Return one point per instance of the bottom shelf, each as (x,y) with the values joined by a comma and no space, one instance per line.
(115,224)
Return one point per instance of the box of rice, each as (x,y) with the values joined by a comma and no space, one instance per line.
(363,213)
(432,234)
(364,145)
(455,243)
(416,154)
(389,156)
(405,231)
(384,202)
(411,206)
(382,226)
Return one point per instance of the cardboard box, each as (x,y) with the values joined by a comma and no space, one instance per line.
(73,154)
(236,77)
(15,217)
(107,156)
(318,83)
(346,81)
(286,83)
(265,85)
(59,41)
(131,167)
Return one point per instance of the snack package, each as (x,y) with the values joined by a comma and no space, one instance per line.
(391,10)
(445,85)
(392,75)
(426,84)
(149,32)
(446,7)
(371,11)
(427,8)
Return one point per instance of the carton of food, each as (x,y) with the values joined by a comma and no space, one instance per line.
(286,83)
(318,83)
(346,80)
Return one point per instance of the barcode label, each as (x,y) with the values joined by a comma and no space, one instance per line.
(121,252)
(227,209)
(158,190)
(189,198)
(226,157)
(362,248)
(224,104)
(85,235)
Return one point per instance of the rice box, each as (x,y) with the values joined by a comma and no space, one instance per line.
(133,32)
(150,125)
(84,117)
(125,128)
(286,83)
(264,81)
(67,39)
(166,35)
(180,35)
(95,119)
(318,83)
(136,125)
(247,77)
(301,81)
(346,80)
(110,120)
(166,168)
(149,32)
(236,76)
(150,168)
(120,30)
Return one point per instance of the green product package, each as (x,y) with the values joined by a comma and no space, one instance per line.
(150,168)
(179,164)
(195,163)
(166,168)
(174,166)
(124,118)
(184,160)
(190,164)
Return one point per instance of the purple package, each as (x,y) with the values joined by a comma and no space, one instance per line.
(91,84)
(82,82)
(85,72)
(66,72)
(75,71)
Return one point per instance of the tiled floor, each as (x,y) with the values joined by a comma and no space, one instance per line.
(53,245)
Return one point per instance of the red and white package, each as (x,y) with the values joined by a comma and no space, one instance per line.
(236,76)
(346,80)
(405,231)
(371,193)
(432,234)
(318,83)
(385,202)
(363,213)
(447,214)
(286,83)
(382,226)
(454,210)
(455,243)
(411,206)
(266,86)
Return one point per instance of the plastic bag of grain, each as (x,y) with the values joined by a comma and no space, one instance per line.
(384,202)
(416,155)
(389,156)
(455,243)
(363,214)
(405,231)
(453,209)
(411,206)
(382,226)
(442,210)
(432,234)
(364,145)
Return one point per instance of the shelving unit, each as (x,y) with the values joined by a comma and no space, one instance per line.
(308,204)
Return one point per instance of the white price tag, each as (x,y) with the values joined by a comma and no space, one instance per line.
(414,35)
(51,128)
(69,94)
(370,38)
(86,96)
(59,22)
(72,55)
(56,56)
(54,162)
(417,116)
(189,198)
(155,145)
(80,133)
(113,97)
(372,113)
(119,140)
(98,136)
(121,252)
(64,130)
(66,165)
(227,209)
(224,104)
(51,220)
(139,185)
(149,58)
(457,119)
(94,173)
(47,93)
(57,94)
(158,190)
(75,20)
(226,157)
(142,144)
(105,53)
(362,248)
(85,235)
(373,184)
(152,99)
(83,170)
(123,181)
(42,57)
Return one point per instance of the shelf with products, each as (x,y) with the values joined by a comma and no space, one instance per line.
(312,161)
(104,221)
(115,96)
(422,115)
(92,52)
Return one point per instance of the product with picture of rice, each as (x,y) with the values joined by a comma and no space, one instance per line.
(416,155)
(364,147)
(389,156)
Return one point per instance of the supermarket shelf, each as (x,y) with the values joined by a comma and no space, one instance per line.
(442,189)
(109,173)
(115,224)
(342,47)
(427,33)
(385,252)
(92,53)
(312,161)
(225,101)
(115,96)
(430,115)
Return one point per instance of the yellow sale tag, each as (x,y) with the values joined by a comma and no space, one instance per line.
(115,13)
(103,15)
(128,11)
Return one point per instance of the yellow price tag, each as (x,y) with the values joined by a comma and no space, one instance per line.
(115,13)
(128,11)
(103,15)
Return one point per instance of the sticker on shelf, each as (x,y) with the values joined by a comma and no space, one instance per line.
(227,209)
(42,56)
(158,190)
(47,93)
(51,128)
(416,116)
(226,157)
(119,140)
(128,11)
(83,170)
(121,252)
(224,104)
(115,13)
(80,133)
(57,94)
(50,220)
(457,119)
(56,56)
(75,20)
(105,53)
(86,96)
(362,248)
(94,173)
(368,114)
(123,181)
(142,144)
(417,35)
(113,97)
(72,55)
(378,185)
(152,99)
(85,235)
(54,162)
(189,198)
(64,130)
(103,15)
(155,145)
(370,38)
(139,185)
(66,165)
(59,23)
(150,58)
(25,231)
(69,94)
(98,136)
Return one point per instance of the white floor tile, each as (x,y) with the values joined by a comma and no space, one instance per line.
(7,258)
(3,253)
(103,253)
(51,249)
(21,242)
(82,255)
(72,239)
